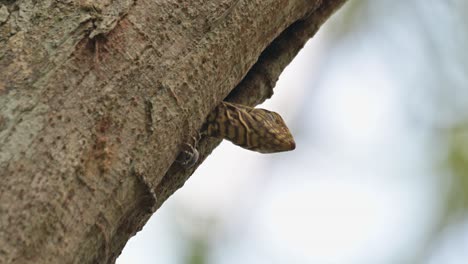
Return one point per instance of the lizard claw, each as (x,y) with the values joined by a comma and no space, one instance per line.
(189,157)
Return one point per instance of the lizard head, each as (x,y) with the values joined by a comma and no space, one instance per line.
(251,128)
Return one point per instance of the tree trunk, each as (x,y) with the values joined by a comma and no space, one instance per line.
(98,97)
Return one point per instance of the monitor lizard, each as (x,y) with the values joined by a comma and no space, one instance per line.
(251,128)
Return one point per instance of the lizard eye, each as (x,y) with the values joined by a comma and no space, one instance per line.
(275,118)
(271,117)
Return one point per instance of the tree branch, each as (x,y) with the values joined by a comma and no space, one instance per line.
(98,97)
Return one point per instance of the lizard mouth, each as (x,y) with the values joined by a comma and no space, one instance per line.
(292,145)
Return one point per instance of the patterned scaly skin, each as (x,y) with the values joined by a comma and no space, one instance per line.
(251,128)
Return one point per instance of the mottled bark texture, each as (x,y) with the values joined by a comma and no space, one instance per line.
(98,97)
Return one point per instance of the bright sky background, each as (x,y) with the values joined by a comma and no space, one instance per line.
(359,188)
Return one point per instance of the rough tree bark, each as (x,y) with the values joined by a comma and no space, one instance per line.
(98,97)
